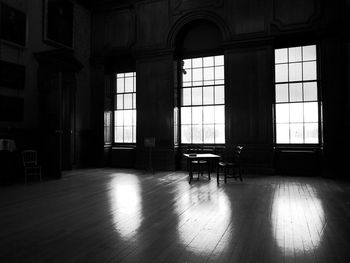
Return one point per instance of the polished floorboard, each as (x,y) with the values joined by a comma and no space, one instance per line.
(114,215)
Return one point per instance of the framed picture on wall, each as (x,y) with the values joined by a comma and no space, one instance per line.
(12,76)
(11,109)
(59,23)
(13,27)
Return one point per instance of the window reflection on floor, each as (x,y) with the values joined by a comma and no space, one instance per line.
(200,212)
(297,219)
(126,205)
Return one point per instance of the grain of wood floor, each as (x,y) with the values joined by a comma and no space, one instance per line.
(113,215)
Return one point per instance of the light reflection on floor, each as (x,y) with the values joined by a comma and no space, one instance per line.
(126,205)
(200,212)
(297,219)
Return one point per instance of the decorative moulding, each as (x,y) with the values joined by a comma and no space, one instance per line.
(120,28)
(281,11)
(179,7)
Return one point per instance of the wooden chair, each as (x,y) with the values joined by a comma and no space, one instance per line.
(30,163)
(233,165)
(198,165)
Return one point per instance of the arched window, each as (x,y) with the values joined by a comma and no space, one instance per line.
(201,84)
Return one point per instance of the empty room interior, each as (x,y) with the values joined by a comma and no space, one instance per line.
(175,131)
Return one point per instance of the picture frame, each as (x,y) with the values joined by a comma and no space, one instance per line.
(13,25)
(58,26)
(12,76)
(11,109)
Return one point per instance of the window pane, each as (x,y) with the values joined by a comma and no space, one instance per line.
(185,133)
(309,52)
(186,96)
(197,96)
(128,134)
(186,84)
(133,117)
(220,133)
(296,133)
(281,55)
(186,115)
(134,101)
(107,118)
(197,74)
(187,63)
(219,60)
(120,104)
(282,93)
(120,85)
(187,75)
(296,112)
(282,133)
(127,101)
(128,117)
(310,91)
(295,72)
(129,85)
(197,62)
(219,114)
(197,134)
(197,115)
(209,73)
(309,70)
(281,72)
(129,74)
(208,115)
(208,95)
(311,133)
(134,80)
(118,134)
(118,118)
(219,95)
(120,75)
(282,113)
(296,92)
(219,72)
(134,134)
(208,133)
(208,61)
(107,134)
(294,54)
(311,112)
(219,82)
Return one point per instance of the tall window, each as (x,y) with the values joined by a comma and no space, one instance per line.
(203,100)
(125,108)
(296,96)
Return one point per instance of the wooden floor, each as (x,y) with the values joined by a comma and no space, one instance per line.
(110,215)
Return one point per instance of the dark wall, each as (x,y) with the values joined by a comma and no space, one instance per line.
(246,31)
(27,130)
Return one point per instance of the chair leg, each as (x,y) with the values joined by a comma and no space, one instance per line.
(209,170)
(225,174)
(217,174)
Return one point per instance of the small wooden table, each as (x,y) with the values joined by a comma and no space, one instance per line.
(209,157)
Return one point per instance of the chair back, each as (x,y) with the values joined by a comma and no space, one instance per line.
(194,149)
(29,158)
(237,153)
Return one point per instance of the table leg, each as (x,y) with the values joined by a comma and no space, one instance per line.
(190,171)
(209,167)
